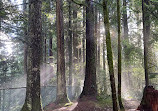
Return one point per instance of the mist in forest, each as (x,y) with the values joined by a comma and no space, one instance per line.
(98,54)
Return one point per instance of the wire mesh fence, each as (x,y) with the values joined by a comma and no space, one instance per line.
(12,99)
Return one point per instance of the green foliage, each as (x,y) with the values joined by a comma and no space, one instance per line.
(3,13)
(152,76)
(132,52)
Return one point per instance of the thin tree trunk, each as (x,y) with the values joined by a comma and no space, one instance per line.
(45,38)
(125,23)
(90,87)
(75,36)
(50,51)
(104,66)
(50,45)
(61,81)
(109,54)
(70,49)
(25,37)
(95,35)
(83,40)
(119,56)
(98,36)
(44,48)
(125,29)
(146,34)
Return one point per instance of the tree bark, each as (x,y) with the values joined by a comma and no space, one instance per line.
(61,81)
(125,23)
(83,40)
(98,36)
(109,54)
(119,56)
(75,36)
(50,51)
(95,35)
(90,87)
(70,49)
(35,39)
(125,29)
(25,38)
(104,66)
(146,34)
(44,45)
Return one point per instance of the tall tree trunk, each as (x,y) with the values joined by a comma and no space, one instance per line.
(119,55)
(83,41)
(90,87)
(45,38)
(146,34)
(126,39)
(109,54)
(95,34)
(25,38)
(98,51)
(50,43)
(75,42)
(125,29)
(75,36)
(35,29)
(61,81)
(104,66)
(84,37)
(44,68)
(98,36)
(125,23)
(70,49)
(35,40)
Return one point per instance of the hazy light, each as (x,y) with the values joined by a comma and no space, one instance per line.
(5,39)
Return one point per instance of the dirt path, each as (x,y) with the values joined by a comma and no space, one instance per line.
(130,105)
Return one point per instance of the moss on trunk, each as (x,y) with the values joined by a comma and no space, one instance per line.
(109,54)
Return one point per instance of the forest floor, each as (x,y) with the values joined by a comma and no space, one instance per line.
(88,105)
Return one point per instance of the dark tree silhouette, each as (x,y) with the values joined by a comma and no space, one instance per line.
(90,87)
